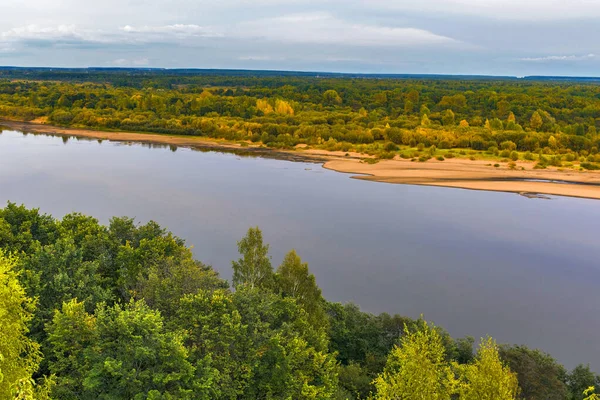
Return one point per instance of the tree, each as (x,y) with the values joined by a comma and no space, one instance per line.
(295,280)
(254,268)
(448,118)
(580,379)
(591,394)
(19,355)
(70,333)
(487,378)
(291,358)
(332,98)
(540,376)
(536,121)
(122,353)
(417,369)
(425,120)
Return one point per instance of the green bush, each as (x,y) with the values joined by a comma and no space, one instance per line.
(391,147)
(590,166)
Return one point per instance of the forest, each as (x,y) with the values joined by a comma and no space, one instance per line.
(125,311)
(553,123)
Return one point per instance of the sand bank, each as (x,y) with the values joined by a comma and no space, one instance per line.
(457,173)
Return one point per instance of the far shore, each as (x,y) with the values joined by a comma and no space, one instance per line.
(457,173)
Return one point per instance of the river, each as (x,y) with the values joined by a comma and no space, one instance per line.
(526,271)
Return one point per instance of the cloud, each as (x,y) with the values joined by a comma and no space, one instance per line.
(36,32)
(323,28)
(560,58)
(177,30)
(525,10)
(123,62)
(259,58)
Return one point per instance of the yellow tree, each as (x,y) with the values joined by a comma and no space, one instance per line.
(19,355)
(417,369)
(487,378)
(536,121)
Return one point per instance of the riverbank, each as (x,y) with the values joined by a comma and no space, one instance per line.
(457,173)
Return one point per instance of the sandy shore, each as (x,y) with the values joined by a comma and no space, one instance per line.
(458,173)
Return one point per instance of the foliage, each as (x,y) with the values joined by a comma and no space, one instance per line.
(124,311)
(417,369)
(254,268)
(540,376)
(330,112)
(19,355)
(487,378)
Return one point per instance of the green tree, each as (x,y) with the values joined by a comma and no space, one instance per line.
(129,355)
(580,379)
(254,268)
(417,369)
(332,98)
(295,280)
(71,331)
(540,376)
(291,355)
(448,118)
(19,355)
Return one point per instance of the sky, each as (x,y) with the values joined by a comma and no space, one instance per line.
(487,37)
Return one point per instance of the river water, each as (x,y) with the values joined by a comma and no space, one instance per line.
(526,271)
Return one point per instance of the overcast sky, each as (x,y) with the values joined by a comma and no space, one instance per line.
(495,37)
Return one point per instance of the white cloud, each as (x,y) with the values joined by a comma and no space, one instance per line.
(259,58)
(560,58)
(36,32)
(178,30)
(526,10)
(323,28)
(123,62)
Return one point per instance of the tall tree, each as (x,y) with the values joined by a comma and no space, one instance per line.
(254,268)
(19,355)
(417,369)
(487,378)
(295,280)
(536,121)
(540,376)
(130,354)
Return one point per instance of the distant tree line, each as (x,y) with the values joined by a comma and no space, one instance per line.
(545,118)
(125,312)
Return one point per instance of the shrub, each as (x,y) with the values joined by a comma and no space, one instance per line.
(514,156)
(508,145)
(590,166)
(440,158)
(386,155)
(391,147)
(528,156)
(423,158)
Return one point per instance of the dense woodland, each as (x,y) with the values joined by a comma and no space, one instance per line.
(124,311)
(554,123)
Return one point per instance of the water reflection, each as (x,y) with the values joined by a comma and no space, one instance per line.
(523,270)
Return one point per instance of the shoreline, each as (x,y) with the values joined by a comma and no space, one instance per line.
(454,173)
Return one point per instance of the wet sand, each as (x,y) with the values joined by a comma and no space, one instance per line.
(457,173)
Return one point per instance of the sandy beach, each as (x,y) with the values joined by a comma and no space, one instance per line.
(457,173)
